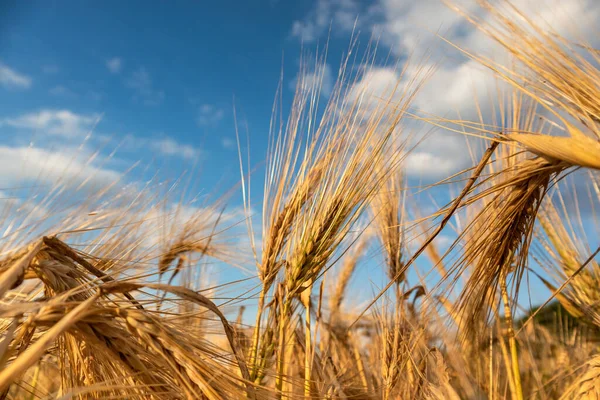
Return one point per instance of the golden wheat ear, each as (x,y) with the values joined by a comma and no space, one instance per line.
(587,385)
(563,244)
(560,75)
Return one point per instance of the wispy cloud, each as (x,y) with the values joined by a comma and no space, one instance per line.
(30,164)
(9,78)
(169,147)
(114,65)
(141,82)
(209,115)
(430,163)
(320,79)
(161,144)
(54,122)
(65,126)
(410,28)
(16,206)
(228,143)
(60,90)
(341,14)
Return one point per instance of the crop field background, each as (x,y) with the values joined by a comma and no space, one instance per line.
(335,274)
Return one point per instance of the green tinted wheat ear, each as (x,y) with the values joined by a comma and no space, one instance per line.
(349,148)
(293,173)
(280,231)
(287,195)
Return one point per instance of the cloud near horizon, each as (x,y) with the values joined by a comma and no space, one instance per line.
(70,148)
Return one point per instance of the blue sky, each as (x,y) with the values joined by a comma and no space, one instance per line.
(168,70)
(158,81)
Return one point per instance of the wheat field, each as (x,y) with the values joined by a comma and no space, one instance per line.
(110,305)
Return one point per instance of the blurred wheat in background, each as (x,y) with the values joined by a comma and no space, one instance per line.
(110,303)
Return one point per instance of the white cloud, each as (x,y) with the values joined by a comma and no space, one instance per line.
(375,84)
(408,25)
(441,153)
(459,84)
(320,78)
(13,207)
(170,147)
(162,144)
(209,115)
(68,166)
(444,241)
(428,164)
(9,78)
(455,90)
(433,157)
(114,65)
(141,82)
(65,126)
(341,14)
(54,122)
